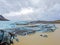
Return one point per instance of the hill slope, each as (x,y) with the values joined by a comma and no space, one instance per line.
(3,18)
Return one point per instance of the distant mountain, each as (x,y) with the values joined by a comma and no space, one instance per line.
(3,18)
(57,21)
(34,22)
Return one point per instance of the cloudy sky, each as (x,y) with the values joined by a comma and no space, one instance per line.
(30,9)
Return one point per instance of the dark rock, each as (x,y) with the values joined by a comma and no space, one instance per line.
(43,35)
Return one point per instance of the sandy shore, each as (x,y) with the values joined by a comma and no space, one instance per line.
(35,39)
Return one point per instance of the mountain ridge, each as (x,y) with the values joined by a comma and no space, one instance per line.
(55,21)
(3,18)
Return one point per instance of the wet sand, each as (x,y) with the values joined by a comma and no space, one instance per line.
(36,39)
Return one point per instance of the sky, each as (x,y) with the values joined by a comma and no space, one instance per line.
(30,9)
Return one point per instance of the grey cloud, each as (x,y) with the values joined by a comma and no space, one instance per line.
(43,9)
